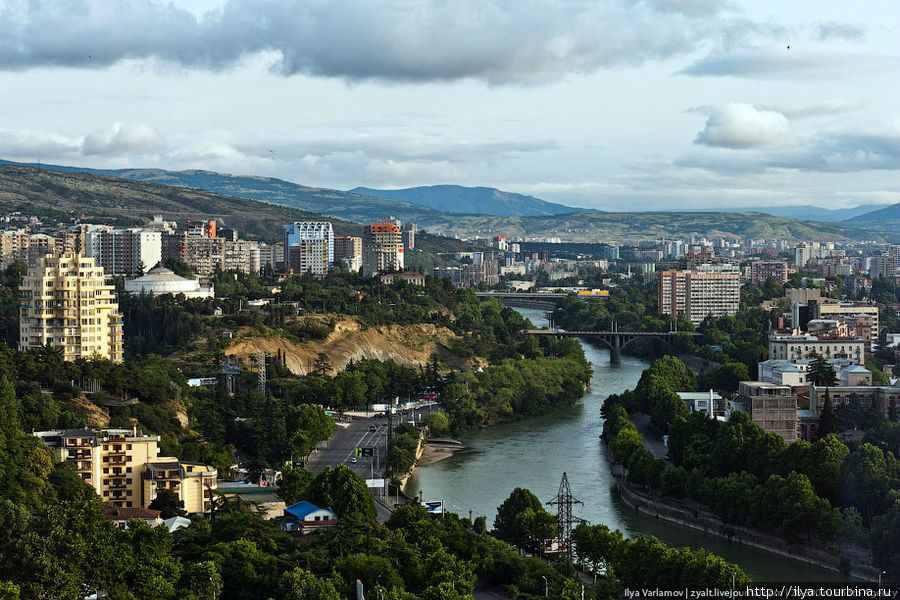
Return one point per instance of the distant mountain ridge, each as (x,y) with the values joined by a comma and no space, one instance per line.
(471,200)
(883,218)
(803,212)
(624,227)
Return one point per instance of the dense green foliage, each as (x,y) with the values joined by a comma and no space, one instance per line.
(647,562)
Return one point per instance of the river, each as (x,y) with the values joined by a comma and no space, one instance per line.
(535,452)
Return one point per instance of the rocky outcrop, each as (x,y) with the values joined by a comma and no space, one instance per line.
(410,345)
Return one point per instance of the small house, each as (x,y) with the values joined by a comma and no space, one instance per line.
(305,517)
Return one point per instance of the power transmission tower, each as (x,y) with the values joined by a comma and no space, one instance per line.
(563,502)
(261,366)
(390,439)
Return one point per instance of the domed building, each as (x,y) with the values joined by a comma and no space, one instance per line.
(160,280)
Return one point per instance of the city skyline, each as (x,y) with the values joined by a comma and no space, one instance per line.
(611,105)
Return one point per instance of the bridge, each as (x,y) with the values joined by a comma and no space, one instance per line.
(545,300)
(615,339)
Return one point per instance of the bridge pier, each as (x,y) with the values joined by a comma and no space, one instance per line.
(615,350)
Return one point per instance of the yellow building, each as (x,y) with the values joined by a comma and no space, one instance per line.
(66,303)
(125,469)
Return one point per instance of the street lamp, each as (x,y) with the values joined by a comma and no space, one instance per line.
(546,586)
(879,578)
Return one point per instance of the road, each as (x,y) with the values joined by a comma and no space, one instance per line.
(357,433)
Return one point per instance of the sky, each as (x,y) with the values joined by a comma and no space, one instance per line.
(608,104)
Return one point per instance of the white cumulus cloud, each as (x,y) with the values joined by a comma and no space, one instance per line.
(124,139)
(743,126)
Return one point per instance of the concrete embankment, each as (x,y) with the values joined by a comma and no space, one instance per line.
(827,556)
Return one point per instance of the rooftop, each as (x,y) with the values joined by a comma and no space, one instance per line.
(124,514)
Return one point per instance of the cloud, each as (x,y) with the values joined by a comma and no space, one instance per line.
(119,140)
(784,64)
(744,126)
(425,40)
(124,139)
(842,31)
(828,108)
(829,152)
(37,144)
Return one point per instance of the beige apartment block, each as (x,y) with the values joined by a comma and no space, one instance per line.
(125,469)
(65,302)
(383,248)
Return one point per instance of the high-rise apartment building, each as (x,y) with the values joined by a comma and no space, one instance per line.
(123,251)
(240,255)
(66,303)
(408,235)
(698,294)
(294,233)
(308,256)
(762,271)
(125,469)
(349,249)
(200,229)
(382,248)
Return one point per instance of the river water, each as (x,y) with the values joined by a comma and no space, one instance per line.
(534,454)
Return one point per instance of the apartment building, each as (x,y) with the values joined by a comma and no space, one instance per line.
(762,271)
(308,256)
(125,469)
(698,294)
(240,255)
(200,229)
(297,232)
(771,406)
(794,347)
(349,249)
(382,248)
(822,309)
(13,246)
(65,302)
(204,255)
(123,251)
(408,235)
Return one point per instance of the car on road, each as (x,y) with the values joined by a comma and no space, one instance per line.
(353,460)
(372,428)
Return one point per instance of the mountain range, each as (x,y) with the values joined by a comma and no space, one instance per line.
(471,200)
(582,226)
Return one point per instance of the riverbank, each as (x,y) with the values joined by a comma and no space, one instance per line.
(430,452)
(830,557)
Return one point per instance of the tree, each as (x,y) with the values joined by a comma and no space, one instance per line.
(522,520)
(9,407)
(344,491)
(821,372)
(322,366)
(202,579)
(300,584)
(438,423)
(168,503)
(827,420)
(294,485)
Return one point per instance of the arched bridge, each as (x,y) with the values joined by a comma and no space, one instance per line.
(616,340)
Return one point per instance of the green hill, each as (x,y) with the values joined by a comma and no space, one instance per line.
(883,218)
(632,227)
(61,196)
